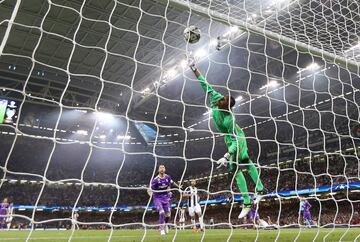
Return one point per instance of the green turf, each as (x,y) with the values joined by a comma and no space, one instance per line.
(185,236)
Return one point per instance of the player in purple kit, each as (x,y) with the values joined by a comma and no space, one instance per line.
(253,215)
(160,186)
(4,208)
(254,218)
(305,206)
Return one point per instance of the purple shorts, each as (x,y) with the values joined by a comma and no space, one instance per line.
(307,216)
(253,215)
(162,204)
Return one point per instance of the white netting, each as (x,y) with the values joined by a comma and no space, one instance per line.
(104,96)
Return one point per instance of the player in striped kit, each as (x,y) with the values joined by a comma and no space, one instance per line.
(10,216)
(193,205)
(75,217)
(182,218)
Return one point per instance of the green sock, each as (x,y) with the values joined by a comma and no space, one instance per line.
(241,183)
(253,172)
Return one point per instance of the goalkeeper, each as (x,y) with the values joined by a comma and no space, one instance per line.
(235,141)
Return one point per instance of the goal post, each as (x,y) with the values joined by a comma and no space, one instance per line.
(298,45)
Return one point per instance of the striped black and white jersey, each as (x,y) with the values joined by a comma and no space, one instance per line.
(193,200)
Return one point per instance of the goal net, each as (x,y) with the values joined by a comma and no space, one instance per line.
(96,94)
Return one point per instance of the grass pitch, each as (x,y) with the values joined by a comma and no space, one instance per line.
(186,236)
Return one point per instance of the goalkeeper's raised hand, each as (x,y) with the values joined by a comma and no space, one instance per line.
(223,161)
(191,62)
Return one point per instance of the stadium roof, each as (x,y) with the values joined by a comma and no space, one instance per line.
(149,43)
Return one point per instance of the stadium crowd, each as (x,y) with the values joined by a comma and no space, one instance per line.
(288,215)
(305,173)
(288,176)
(104,186)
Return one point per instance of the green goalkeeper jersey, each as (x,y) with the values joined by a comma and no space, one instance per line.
(225,123)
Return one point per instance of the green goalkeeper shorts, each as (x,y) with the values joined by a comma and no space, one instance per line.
(242,150)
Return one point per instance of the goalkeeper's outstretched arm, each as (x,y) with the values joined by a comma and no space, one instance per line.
(195,70)
(214,96)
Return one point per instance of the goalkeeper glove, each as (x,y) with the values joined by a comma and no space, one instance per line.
(191,63)
(223,161)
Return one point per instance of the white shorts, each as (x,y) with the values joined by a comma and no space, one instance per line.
(182,220)
(194,209)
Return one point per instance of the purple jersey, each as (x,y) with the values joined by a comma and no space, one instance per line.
(4,208)
(3,212)
(306,206)
(306,210)
(161,184)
